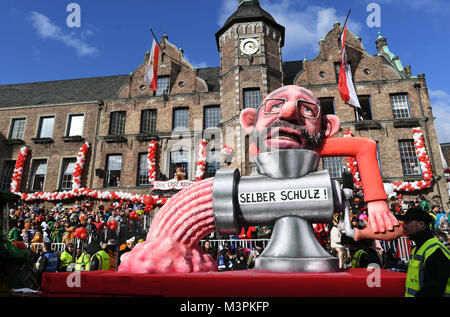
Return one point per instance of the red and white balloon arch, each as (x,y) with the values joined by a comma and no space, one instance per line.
(77,191)
(150,201)
(425,166)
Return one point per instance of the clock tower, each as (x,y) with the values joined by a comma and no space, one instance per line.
(249,43)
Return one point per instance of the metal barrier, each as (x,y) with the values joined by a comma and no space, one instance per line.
(218,244)
(402,246)
(56,247)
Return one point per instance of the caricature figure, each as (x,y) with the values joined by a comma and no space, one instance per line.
(291,118)
(288,118)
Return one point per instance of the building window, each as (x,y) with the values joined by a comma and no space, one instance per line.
(181,119)
(46,127)
(179,160)
(410,163)
(334,166)
(143,170)
(163,85)
(211,117)
(366,109)
(327,105)
(75,126)
(212,162)
(68,167)
(148,121)
(117,123)
(7,174)
(252,98)
(17,129)
(400,107)
(38,172)
(113,169)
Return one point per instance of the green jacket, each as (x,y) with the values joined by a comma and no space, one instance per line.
(14,234)
(56,235)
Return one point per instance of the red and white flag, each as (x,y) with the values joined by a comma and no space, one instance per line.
(346,88)
(151,73)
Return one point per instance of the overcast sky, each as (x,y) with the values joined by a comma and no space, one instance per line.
(39,45)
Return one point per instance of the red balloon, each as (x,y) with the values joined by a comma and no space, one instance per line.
(83,236)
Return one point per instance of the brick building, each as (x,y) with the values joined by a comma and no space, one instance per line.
(119,115)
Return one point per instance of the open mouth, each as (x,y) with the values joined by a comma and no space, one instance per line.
(285,137)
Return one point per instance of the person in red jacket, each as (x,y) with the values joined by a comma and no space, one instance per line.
(291,118)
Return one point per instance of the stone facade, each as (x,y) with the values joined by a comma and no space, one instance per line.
(376,77)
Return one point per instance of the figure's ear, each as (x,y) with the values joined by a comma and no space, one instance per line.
(247,119)
(332,125)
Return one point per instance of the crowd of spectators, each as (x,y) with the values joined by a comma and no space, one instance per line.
(33,223)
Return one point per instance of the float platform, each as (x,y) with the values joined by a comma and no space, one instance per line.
(248,283)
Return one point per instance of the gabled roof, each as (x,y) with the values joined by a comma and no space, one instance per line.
(61,91)
(79,90)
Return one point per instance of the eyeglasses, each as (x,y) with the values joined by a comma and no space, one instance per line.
(307,109)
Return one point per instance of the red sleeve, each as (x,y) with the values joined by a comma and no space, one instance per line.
(365,152)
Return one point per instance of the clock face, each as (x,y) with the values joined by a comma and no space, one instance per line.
(249,46)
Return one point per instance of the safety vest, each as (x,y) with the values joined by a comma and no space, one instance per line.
(357,257)
(103,259)
(66,258)
(52,262)
(82,262)
(417,263)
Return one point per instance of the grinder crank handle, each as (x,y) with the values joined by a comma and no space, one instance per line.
(366,233)
(388,235)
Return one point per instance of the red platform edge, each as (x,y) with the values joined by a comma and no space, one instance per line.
(249,283)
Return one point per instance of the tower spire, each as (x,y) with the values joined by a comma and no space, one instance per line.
(242,1)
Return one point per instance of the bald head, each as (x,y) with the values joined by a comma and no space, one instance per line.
(288,118)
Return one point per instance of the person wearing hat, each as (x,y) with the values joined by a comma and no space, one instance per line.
(429,265)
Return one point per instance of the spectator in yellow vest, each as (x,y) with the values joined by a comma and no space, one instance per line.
(429,266)
(100,261)
(82,262)
(66,258)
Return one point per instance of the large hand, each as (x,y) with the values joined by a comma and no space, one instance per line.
(380,217)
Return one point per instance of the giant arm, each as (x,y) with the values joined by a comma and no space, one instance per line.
(365,152)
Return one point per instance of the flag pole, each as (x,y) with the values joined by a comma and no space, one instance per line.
(348,14)
(343,27)
(154,36)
